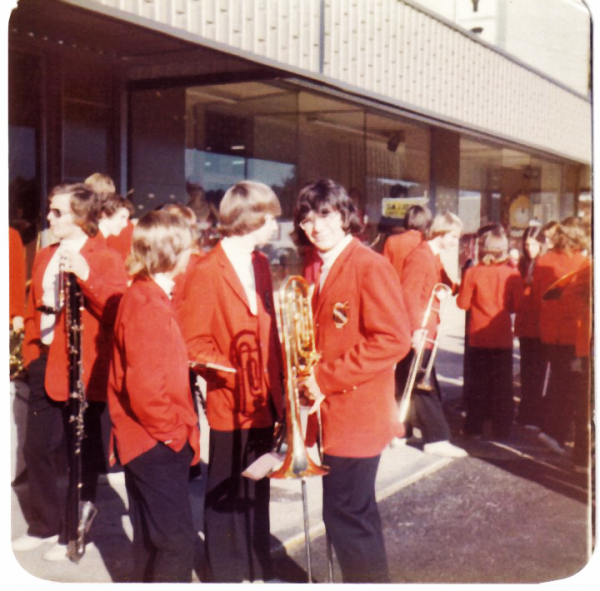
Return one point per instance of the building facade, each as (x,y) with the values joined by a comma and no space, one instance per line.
(376,95)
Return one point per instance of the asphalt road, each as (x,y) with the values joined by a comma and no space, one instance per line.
(510,513)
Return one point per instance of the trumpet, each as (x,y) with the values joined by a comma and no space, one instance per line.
(418,376)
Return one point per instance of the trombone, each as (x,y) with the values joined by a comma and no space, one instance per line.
(441,294)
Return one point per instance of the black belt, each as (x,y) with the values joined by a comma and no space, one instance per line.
(47,310)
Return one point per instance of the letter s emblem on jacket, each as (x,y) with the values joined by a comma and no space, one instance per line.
(340,314)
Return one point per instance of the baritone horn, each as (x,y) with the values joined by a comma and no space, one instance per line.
(419,376)
(300,355)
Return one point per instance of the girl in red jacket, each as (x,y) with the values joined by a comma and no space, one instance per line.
(491,291)
(527,328)
(155,427)
(558,330)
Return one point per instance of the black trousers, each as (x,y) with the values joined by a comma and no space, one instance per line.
(562,393)
(426,412)
(237,527)
(492,395)
(533,371)
(352,519)
(47,424)
(159,507)
(583,415)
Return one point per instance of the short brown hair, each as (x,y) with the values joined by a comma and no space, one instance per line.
(101,183)
(159,238)
(570,236)
(495,247)
(322,196)
(244,208)
(84,205)
(443,224)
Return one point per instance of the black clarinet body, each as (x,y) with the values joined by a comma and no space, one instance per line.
(79,513)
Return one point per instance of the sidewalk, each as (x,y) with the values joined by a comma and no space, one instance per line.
(108,558)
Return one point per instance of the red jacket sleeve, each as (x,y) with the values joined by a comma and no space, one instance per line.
(16,274)
(465,295)
(105,284)
(147,379)
(418,279)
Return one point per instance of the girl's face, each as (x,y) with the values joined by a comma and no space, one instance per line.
(532,248)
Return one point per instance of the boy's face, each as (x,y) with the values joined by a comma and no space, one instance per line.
(61,218)
(325,229)
(265,233)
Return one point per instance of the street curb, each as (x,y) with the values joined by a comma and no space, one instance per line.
(316,531)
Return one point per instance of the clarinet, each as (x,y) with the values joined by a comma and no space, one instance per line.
(79,513)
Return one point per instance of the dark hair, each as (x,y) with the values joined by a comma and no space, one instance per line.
(526,263)
(398,190)
(84,205)
(418,218)
(109,204)
(570,236)
(323,196)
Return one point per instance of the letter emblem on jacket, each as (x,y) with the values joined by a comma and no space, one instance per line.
(340,314)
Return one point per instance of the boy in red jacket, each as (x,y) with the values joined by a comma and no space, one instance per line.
(491,291)
(228,321)
(155,426)
(361,332)
(81,250)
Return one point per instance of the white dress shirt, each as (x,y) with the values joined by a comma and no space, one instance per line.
(51,287)
(239,251)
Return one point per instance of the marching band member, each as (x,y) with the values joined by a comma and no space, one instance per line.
(81,250)
(229,324)
(558,331)
(422,270)
(527,328)
(155,427)
(114,215)
(491,290)
(417,222)
(17,281)
(361,332)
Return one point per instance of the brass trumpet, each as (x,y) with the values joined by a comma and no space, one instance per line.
(17,365)
(441,294)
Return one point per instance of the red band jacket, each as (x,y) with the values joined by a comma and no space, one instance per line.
(399,246)
(557,317)
(421,272)
(149,393)
(492,293)
(102,292)
(219,327)
(361,331)
(16,270)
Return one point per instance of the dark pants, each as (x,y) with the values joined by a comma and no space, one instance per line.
(533,370)
(583,415)
(352,519)
(492,395)
(236,509)
(562,393)
(426,412)
(159,507)
(47,423)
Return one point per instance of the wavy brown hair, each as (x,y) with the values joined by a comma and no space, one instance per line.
(84,205)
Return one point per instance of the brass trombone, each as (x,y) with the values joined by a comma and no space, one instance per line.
(441,294)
